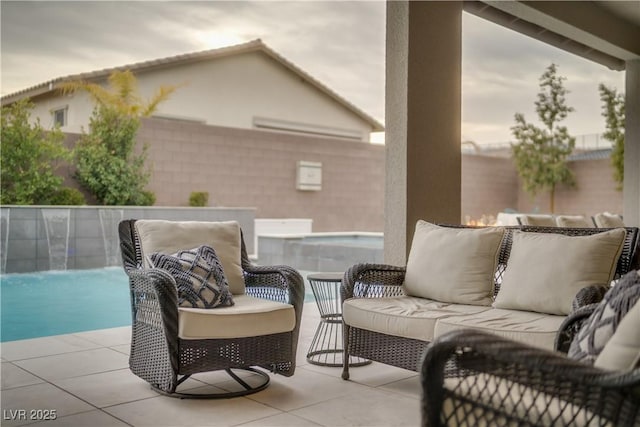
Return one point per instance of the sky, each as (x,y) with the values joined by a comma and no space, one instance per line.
(341,44)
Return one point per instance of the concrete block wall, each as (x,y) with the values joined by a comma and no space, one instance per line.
(243,167)
(240,167)
(24,239)
(595,192)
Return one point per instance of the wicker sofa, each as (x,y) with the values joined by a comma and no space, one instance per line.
(472,378)
(384,322)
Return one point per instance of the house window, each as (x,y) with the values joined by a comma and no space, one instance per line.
(60,117)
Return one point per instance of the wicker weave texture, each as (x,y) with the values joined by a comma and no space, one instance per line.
(160,357)
(471,378)
(380,280)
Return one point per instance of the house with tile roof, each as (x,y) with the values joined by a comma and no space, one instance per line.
(245,86)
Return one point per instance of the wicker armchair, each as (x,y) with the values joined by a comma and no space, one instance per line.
(165,360)
(470,378)
(383,281)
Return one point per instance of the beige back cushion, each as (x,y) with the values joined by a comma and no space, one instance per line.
(539,220)
(622,351)
(579,221)
(171,236)
(546,270)
(453,264)
(607,220)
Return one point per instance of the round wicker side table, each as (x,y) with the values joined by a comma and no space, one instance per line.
(327,347)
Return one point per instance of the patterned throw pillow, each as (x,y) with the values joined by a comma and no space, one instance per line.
(603,322)
(199,277)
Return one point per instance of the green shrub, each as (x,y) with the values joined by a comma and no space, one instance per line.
(30,157)
(146,198)
(199,198)
(67,196)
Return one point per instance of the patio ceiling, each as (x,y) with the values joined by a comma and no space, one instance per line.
(605,32)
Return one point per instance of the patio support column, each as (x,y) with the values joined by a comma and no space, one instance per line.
(631,189)
(423,119)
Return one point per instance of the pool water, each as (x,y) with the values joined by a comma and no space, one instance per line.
(63,302)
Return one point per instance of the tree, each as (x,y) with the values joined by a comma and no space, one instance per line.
(541,152)
(30,157)
(107,164)
(613,112)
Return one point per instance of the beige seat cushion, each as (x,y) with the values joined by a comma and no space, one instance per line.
(607,220)
(545,271)
(622,351)
(538,220)
(453,264)
(531,406)
(577,221)
(249,317)
(536,329)
(169,237)
(404,316)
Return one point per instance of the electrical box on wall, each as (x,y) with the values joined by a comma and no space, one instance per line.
(309,176)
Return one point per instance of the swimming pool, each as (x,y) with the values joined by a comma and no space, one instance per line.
(63,302)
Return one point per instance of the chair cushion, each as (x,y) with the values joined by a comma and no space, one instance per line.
(538,220)
(605,319)
(622,351)
(248,317)
(171,236)
(199,277)
(453,264)
(404,316)
(545,271)
(577,221)
(607,220)
(536,329)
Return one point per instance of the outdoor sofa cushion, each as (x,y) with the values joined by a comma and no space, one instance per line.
(545,270)
(424,319)
(538,220)
(622,351)
(578,221)
(171,236)
(606,318)
(537,329)
(406,316)
(437,255)
(248,317)
(607,220)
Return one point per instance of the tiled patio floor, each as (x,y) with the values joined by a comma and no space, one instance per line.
(85,378)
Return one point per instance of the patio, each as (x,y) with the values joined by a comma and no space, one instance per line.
(85,378)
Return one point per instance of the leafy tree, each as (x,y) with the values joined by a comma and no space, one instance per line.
(30,157)
(541,152)
(613,112)
(107,164)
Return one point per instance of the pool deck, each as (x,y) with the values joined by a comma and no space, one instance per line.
(85,378)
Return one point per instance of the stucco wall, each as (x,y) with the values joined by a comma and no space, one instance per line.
(228,91)
(258,168)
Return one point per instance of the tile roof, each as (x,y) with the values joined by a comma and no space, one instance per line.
(251,46)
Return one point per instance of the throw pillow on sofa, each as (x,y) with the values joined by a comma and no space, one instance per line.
(454,265)
(545,271)
(622,351)
(605,319)
(199,277)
